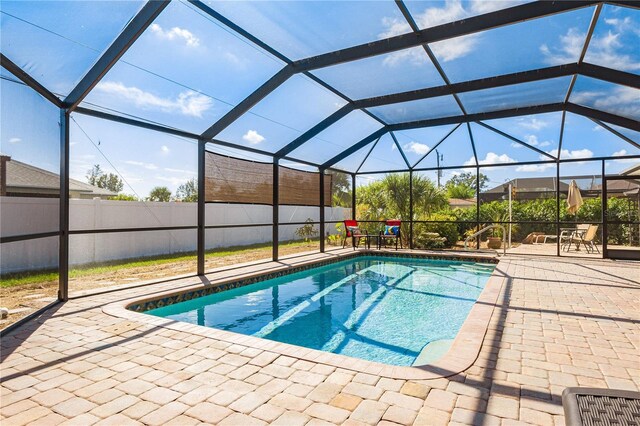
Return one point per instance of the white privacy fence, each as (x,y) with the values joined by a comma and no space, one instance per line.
(21,215)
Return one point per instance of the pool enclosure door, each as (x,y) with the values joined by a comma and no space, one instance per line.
(621,236)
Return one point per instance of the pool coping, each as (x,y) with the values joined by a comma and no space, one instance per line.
(461,355)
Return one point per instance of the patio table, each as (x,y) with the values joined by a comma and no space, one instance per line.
(575,234)
(370,237)
(594,406)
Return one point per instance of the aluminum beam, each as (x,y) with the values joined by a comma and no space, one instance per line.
(315,130)
(604,116)
(246,34)
(29,81)
(511,112)
(469,86)
(353,148)
(259,94)
(450,30)
(120,45)
(516,140)
(436,145)
(201,206)
(63,246)
(364,160)
(133,122)
(609,74)
(617,133)
(404,157)
(473,143)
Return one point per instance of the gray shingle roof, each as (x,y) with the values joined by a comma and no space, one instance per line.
(22,175)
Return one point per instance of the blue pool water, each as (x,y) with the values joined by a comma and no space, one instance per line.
(375,308)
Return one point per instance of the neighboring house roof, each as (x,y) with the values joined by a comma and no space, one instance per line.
(461,202)
(22,175)
(535,184)
(621,185)
(633,170)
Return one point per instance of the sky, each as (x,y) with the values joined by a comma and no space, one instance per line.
(188,70)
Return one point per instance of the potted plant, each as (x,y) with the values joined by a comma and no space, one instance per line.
(494,242)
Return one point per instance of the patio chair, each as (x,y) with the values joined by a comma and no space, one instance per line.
(352,231)
(571,236)
(587,239)
(564,235)
(391,232)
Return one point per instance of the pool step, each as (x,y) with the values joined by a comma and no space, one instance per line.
(432,352)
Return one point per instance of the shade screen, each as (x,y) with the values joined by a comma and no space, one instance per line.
(232,180)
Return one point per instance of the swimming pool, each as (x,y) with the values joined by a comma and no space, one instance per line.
(398,311)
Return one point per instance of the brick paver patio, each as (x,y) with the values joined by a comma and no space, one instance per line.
(557,323)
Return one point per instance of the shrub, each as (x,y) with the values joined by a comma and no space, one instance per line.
(307,231)
(446,230)
(336,239)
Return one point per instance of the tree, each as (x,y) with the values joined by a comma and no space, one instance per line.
(159,193)
(110,181)
(464,185)
(340,189)
(389,199)
(124,197)
(94,174)
(188,191)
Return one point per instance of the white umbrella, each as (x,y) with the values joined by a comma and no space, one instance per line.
(574,198)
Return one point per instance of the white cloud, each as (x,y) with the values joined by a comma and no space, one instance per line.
(175,181)
(164,149)
(534,167)
(183,171)
(532,123)
(597,128)
(15,140)
(566,154)
(148,166)
(622,153)
(253,137)
(484,6)
(187,103)
(568,50)
(491,158)
(416,147)
(602,50)
(533,141)
(621,100)
(446,50)
(176,33)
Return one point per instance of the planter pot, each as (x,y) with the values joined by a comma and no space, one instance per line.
(494,242)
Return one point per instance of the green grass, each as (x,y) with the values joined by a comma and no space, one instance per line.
(37,277)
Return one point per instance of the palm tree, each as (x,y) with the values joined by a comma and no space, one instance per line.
(388,198)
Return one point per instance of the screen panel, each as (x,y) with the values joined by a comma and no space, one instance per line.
(401,71)
(423,109)
(354,127)
(516,96)
(286,113)
(615,39)
(608,97)
(129,177)
(100,261)
(29,160)
(522,46)
(56,41)
(303,29)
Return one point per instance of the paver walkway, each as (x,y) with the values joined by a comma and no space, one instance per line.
(558,323)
